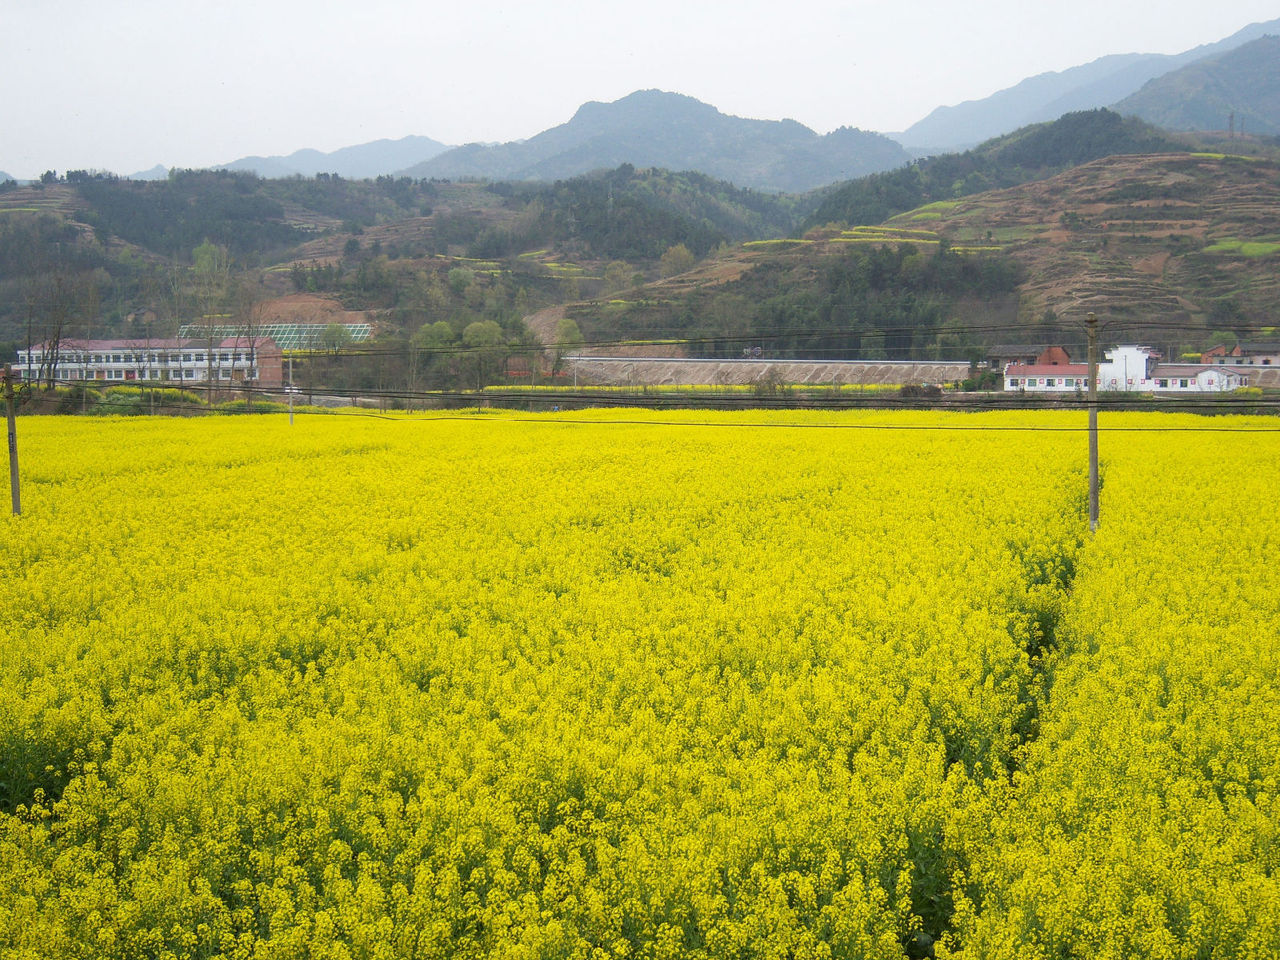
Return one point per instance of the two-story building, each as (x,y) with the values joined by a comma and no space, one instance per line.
(1126,369)
(228,361)
(1246,353)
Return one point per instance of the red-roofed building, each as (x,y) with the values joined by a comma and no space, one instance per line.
(1054,357)
(1047,377)
(1127,369)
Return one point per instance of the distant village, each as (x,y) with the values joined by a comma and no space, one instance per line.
(1138,369)
(232,356)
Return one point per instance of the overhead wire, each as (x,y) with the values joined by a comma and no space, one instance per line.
(739,403)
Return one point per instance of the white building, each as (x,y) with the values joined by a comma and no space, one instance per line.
(1127,369)
(231,360)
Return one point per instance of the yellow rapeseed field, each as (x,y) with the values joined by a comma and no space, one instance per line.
(626,684)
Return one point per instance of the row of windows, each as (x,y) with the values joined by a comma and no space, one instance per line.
(1082,382)
(133,375)
(1068,382)
(142,358)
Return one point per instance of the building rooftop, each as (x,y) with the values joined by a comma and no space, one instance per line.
(1047,370)
(157,343)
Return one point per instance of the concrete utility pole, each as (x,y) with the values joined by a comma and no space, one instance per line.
(13,441)
(291,389)
(1093,422)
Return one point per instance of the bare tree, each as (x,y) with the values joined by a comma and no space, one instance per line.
(55,300)
(246,299)
(211,271)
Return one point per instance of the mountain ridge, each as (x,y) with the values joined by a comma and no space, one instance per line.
(363,161)
(653,128)
(1046,96)
(1242,85)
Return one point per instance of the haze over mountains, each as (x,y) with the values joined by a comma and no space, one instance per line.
(384,156)
(1197,89)
(651,128)
(1243,84)
(1047,96)
(365,160)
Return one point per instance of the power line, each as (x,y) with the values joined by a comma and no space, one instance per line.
(553,419)
(749,403)
(805,395)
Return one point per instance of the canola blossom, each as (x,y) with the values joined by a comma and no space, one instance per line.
(625,684)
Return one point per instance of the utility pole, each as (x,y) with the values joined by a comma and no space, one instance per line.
(291,389)
(1093,422)
(13,441)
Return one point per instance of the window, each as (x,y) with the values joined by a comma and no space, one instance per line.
(1013,381)
(1162,383)
(1182,383)
(186,358)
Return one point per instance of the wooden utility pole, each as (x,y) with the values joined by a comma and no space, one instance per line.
(1093,422)
(13,441)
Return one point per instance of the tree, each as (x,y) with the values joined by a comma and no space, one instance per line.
(55,301)
(678,259)
(334,337)
(246,301)
(460,278)
(617,275)
(425,349)
(212,266)
(1226,314)
(486,349)
(568,339)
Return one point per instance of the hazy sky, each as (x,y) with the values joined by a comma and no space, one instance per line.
(125,84)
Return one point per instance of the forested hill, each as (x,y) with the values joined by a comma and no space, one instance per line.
(625,213)
(1031,153)
(653,128)
(125,240)
(1241,86)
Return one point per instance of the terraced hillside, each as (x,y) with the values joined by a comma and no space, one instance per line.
(1178,239)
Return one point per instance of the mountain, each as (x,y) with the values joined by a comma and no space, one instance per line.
(1031,153)
(1152,239)
(158,172)
(5,177)
(365,161)
(651,128)
(1166,248)
(1204,95)
(1048,95)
